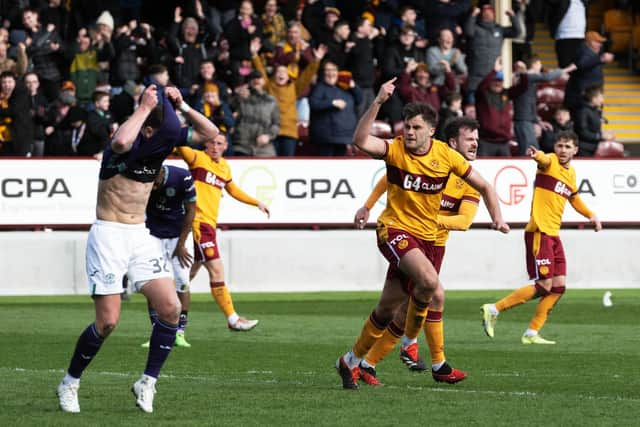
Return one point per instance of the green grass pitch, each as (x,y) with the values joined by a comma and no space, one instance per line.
(282,373)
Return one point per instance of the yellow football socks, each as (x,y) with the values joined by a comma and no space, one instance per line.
(221,294)
(416,313)
(384,345)
(544,307)
(517,297)
(434,332)
(371,332)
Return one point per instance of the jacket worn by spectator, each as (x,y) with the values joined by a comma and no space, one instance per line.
(16,111)
(257,115)
(442,15)
(43,57)
(85,71)
(186,73)
(588,126)
(454,57)
(485,44)
(97,133)
(494,109)
(589,72)
(524,106)
(286,95)
(329,124)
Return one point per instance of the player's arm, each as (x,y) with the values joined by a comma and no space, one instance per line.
(181,252)
(203,128)
(463,220)
(130,129)
(372,145)
(362,214)
(237,193)
(490,199)
(543,160)
(580,206)
(188,154)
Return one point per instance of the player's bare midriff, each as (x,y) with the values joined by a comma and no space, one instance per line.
(122,200)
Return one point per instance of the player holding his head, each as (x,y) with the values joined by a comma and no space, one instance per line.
(458,207)
(119,243)
(555,183)
(418,168)
(211,174)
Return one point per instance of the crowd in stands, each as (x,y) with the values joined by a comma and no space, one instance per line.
(291,77)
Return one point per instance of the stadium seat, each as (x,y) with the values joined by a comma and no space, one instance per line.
(609,149)
(545,112)
(515,149)
(635,47)
(617,26)
(304,148)
(549,95)
(381,129)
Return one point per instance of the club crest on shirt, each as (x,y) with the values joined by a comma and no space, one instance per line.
(459,183)
(435,164)
(402,244)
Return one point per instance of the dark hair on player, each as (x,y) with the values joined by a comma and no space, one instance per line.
(452,129)
(567,135)
(426,111)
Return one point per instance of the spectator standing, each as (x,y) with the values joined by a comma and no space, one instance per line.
(588,124)
(493,108)
(187,53)
(441,14)
(89,50)
(319,20)
(524,105)
(361,60)
(123,104)
(18,67)
(442,53)
(100,127)
(135,50)
(258,120)
(339,45)
(17,135)
(567,21)
(286,91)
(333,112)
(240,31)
(207,75)
(45,50)
(273,25)
(485,39)
(452,109)
(589,60)
(38,107)
(395,59)
(414,85)
(560,122)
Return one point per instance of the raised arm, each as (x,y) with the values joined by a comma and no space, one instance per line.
(203,129)
(373,146)
(130,129)
(543,160)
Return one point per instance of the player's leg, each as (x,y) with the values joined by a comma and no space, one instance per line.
(106,260)
(537,258)
(424,277)
(181,275)
(441,371)
(160,293)
(392,295)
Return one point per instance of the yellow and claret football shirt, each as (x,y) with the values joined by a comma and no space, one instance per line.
(210,178)
(553,186)
(415,186)
(459,198)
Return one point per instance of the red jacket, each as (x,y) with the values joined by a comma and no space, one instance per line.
(493,110)
(432,95)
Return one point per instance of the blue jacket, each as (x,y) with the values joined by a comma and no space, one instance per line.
(589,73)
(328,124)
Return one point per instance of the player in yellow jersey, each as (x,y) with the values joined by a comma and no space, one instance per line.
(418,168)
(555,183)
(458,207)
(211,173)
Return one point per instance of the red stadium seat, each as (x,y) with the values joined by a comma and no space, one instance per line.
(304,148)
(549,95)
(381,129)
(545,112)
(609,149)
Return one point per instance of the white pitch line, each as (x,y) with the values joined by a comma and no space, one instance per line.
(213,379)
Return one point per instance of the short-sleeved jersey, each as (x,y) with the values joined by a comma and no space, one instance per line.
(553,186)
(455,193)
(144,160)
(165,209)
(415,186)
(210,178)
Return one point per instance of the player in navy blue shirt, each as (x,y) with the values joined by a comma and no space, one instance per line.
(119,243)
(170,213)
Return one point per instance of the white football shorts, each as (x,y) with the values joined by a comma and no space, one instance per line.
(180,274)
(115,249)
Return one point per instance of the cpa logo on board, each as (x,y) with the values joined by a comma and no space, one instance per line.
(511,183)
